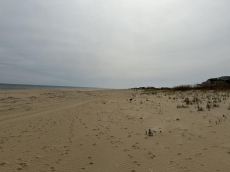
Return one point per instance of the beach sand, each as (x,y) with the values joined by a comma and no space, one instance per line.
(103,131)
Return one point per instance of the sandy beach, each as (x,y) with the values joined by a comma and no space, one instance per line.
(105,131)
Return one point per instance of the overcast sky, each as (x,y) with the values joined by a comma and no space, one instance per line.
(114,43)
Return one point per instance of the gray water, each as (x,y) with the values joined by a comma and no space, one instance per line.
(8,87)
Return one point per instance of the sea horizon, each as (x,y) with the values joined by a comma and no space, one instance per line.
(8,87)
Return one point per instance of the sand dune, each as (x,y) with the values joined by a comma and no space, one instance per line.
(101,131)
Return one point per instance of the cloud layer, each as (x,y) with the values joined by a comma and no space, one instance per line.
(115,44)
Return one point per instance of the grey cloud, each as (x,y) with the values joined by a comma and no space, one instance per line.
(117,44)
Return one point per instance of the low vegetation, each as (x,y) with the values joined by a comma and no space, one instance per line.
(187,96)
(203,88)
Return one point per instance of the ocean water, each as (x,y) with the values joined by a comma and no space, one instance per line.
(8,87)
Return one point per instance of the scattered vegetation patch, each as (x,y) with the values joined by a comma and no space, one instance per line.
(147,92)
(182,106)
(187,101)
(199,108)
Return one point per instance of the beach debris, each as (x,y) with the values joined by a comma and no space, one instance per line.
(150,133)
(177,119)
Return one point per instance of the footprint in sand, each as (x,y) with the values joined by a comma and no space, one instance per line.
(23,164)
(130,156)
(2,163)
